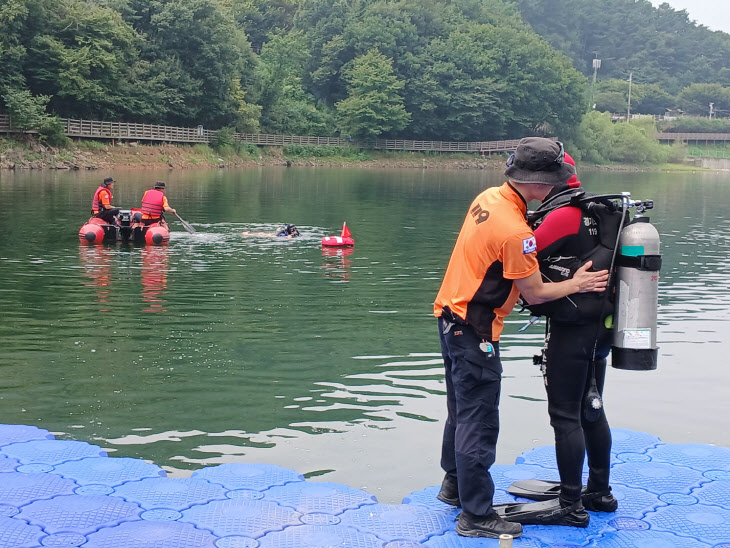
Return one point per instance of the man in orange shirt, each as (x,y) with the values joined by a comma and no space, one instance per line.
(101,203)
(493,261)
(154,203)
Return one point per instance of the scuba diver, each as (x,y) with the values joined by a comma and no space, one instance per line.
(572,228)
(284,231)
(101,203)
(288,231)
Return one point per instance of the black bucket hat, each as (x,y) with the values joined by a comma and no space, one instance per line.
(539,160)
(108,181)
(160,184)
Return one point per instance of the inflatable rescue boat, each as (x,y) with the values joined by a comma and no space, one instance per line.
(97,230)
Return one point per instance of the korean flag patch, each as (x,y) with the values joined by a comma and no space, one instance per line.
(529,245)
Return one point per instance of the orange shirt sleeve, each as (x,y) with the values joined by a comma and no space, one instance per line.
(105,198)
(519,255)
(165,205)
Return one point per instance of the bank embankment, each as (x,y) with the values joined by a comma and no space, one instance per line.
(93,155)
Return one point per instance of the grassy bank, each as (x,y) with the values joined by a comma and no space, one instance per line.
(90,155)
(710,151)
(103,154)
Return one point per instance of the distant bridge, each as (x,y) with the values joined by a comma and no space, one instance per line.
(90,129)
(706,138)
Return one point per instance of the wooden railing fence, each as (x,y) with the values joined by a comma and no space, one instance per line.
(694,137)
(92,129)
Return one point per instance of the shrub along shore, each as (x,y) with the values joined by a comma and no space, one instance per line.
(92,155)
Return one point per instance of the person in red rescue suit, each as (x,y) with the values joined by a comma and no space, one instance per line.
(576,350)
(101,203)
(493,261)
(154,204)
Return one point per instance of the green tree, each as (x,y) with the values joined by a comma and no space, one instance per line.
(635,143)
(594,137)
(455,94)
(286,106)
(13,14)
(26,111)
(374,105)
(696,99)
(651,99)
(611,101)
(260,18)
(612,95)
(78,54)
(247,115)
(599,140)
(213,50)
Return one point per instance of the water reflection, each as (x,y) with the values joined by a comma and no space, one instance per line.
(336,263)
(154,277)
(273,342)
(96,262)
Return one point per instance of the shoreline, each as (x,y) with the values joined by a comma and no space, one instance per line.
(94,155)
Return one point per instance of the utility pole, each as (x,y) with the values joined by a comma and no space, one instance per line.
(712,105)
(596,66)
(628,112)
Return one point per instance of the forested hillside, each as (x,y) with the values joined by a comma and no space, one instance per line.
(659,45)
(424,69)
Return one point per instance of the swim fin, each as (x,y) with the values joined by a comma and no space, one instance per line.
(535,489)
(546,512)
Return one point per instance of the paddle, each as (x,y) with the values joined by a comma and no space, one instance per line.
(186,226)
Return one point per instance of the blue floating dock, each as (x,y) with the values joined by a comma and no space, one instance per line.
(70,493)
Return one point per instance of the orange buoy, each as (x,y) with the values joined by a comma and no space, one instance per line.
(337,241)
(343,240)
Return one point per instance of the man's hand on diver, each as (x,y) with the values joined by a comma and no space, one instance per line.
(590,281)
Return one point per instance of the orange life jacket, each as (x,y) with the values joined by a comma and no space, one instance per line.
(152,203)
(96,205)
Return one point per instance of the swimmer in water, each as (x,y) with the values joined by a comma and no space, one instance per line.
(284,231)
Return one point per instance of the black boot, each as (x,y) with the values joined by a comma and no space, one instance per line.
(490,526)
(449,492)
(600,501)
(575,514)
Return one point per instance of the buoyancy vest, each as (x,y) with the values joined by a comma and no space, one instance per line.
(152,203)
(595,241)
(96,205)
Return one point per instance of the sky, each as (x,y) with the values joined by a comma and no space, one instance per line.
(714,14)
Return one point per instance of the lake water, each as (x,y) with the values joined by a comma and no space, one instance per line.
(221,348)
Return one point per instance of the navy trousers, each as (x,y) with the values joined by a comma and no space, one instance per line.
(108,214)
(473,382)
(568,358)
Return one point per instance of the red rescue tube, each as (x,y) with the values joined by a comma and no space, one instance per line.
(157,235)
(337,241)
(91,233)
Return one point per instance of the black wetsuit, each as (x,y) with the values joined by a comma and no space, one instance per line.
(577,338)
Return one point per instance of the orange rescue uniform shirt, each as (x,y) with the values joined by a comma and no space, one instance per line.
(106,199)
(495,246)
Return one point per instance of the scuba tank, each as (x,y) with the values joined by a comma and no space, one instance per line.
(637,294)
(637,260)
